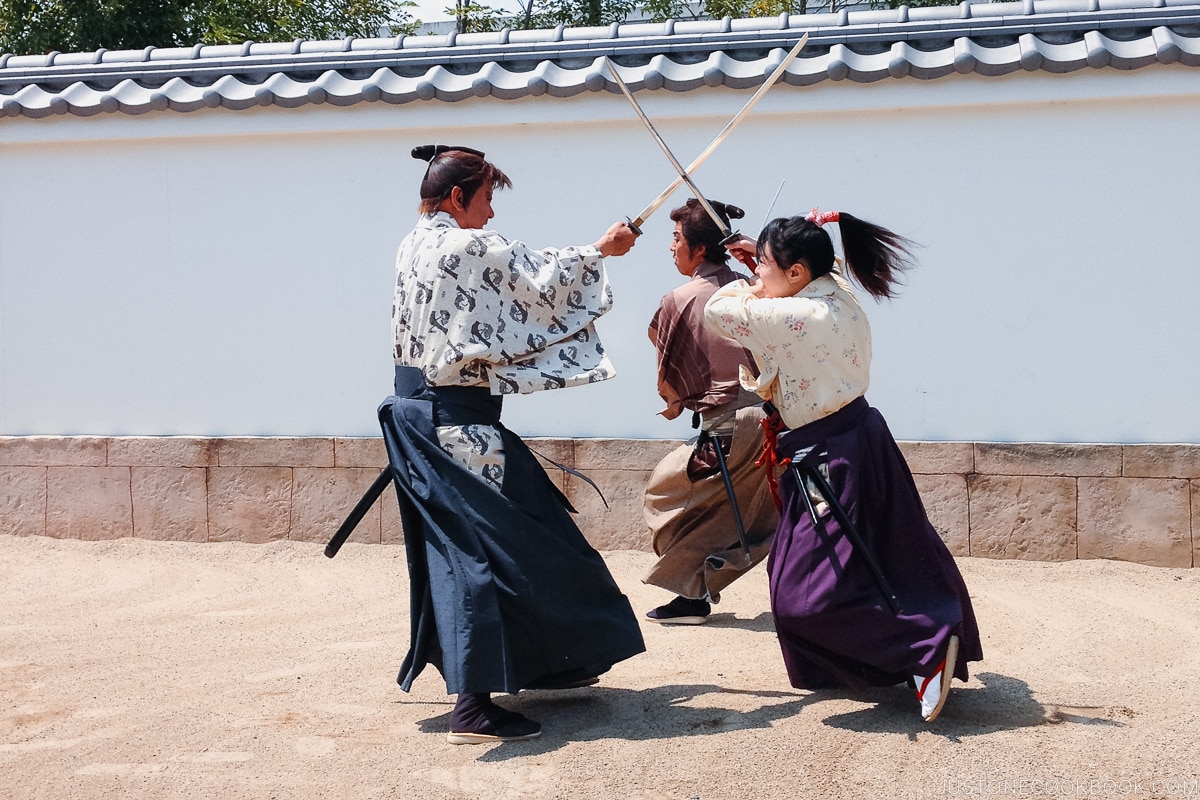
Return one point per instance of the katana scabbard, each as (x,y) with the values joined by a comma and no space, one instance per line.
(809,471)
(733,502)
(358,512)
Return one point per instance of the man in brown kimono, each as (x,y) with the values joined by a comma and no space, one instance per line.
(687,507)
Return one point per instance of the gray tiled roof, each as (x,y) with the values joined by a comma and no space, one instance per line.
(863,46)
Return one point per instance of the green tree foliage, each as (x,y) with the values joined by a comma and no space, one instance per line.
(472,16)
(40,26)
(534,14)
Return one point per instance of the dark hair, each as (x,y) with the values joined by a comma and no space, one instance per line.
(875,256)
(699,230)
(461,167)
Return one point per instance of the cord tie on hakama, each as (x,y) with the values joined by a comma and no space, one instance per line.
(772,425)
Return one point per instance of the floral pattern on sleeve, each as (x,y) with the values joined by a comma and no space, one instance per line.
(813,349)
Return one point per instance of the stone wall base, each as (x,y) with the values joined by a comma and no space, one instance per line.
(1042,502)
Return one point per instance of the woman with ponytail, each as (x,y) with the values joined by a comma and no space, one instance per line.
(863,590)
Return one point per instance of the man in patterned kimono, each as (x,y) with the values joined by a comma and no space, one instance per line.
(506,594)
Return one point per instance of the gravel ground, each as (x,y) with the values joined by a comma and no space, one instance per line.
(170,670)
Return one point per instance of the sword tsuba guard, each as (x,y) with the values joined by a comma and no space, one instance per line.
(632,227)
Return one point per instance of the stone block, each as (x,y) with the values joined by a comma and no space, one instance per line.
(53,451)
(1161,460)
(89,503)
(561,451)
(275,451)
(939,458)
(618,454)
(170,503)
(365,451)
(1063,460)
(162,451)
(621,526)
(249,504)
(1195,489)
(391,530)
(1022,517)
(322,499)
(23,500)
(1144,520)
(945,499)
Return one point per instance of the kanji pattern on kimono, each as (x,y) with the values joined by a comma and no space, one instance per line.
(473,308)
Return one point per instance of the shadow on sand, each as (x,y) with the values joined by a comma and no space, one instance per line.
(1003,703)
(668,712)
(763,623)
(663,712)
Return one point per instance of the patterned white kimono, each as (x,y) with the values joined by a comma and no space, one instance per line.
(473,308)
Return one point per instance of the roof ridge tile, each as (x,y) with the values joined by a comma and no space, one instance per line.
(987,39)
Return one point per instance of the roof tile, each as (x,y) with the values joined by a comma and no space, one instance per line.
(988,39)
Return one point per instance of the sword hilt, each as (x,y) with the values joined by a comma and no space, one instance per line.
(633,226)
(745,258)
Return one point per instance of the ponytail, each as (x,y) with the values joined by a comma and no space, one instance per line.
(875,256)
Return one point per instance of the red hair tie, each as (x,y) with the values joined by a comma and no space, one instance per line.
(821,217)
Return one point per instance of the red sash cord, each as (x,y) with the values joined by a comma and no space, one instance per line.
(772,425)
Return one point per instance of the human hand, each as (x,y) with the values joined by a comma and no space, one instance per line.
(743,249)
(617,240)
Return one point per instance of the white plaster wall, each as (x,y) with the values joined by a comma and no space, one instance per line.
(230,272)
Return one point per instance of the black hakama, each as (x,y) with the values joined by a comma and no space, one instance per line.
(505,592)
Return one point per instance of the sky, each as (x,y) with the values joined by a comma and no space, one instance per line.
(434,10)
(430,10)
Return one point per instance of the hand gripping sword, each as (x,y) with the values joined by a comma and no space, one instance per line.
(637,221)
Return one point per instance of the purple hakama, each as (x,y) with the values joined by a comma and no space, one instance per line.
(834,625)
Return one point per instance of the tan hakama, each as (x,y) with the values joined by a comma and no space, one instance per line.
(692,524)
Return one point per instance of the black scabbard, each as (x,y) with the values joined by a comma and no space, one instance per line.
(358,512)
(733,503)
(810,471)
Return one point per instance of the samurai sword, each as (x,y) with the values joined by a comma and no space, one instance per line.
(809,471)
(733,503)
(637,221)
(358,512)
(726,233)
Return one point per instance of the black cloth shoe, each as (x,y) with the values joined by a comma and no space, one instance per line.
(681,611)
(477,720)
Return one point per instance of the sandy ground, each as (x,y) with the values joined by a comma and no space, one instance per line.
(172,670)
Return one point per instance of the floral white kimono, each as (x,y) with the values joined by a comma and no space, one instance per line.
(813,349)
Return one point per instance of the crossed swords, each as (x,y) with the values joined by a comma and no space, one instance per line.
(381,482)
(727,234)
(685,174)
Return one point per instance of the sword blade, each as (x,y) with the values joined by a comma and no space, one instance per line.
(770,208)
(724,134)
(712,212)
